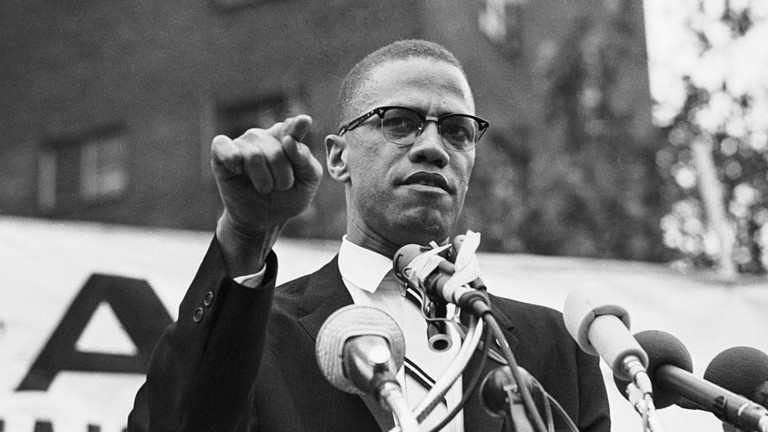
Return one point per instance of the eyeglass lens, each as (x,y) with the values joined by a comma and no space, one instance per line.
(402,126)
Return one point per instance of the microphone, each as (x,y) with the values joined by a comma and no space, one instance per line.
(431,273)
(661,350)
(601,328)
(499,389)
(742,370)
(670,377)
(360,349)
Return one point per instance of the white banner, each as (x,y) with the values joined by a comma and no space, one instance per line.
(83,303)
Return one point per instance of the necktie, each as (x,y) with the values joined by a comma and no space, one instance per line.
(422,365)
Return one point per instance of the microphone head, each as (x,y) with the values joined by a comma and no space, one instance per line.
(742,370)
(403,257)
(493,390)
(347,323)
(582,306)
(662,349)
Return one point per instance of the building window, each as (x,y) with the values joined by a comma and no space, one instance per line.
(88,168)
(103,170)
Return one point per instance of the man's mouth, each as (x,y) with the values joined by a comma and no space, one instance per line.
(430,179)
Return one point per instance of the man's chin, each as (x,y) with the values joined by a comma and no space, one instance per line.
(425,228)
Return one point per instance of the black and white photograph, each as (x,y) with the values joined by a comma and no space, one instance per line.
(398,216)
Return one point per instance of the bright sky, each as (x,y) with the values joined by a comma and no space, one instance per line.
(742,64)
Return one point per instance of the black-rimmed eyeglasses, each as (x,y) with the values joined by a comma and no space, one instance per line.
(401,126)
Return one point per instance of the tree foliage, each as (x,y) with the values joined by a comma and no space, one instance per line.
(726,116)
(586,184)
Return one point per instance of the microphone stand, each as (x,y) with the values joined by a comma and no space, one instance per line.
(643,403)
(392,397)
(516,419)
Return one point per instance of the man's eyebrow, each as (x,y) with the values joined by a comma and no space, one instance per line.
(425,112)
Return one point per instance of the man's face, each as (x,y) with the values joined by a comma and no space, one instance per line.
(413,194)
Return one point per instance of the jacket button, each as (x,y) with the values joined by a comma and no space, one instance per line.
(198,314)
(208,298)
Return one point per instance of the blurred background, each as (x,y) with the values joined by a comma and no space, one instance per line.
(597,109)
(628,146)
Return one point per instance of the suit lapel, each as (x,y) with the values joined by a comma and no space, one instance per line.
(325,294)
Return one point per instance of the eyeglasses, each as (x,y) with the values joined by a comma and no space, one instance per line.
(401,126)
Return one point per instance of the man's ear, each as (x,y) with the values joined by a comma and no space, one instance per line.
(336,157)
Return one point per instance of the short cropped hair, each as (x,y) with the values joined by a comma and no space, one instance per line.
(400,50)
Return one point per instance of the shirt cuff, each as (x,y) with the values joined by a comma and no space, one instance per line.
(252,280)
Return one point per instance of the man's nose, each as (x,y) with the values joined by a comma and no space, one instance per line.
(429,147)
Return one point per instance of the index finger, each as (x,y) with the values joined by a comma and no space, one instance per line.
(295,129)
(298,126)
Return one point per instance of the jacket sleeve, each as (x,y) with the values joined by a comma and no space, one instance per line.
(204,365)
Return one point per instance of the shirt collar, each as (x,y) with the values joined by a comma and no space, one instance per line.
(362,267)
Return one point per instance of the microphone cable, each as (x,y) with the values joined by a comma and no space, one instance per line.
(560,411)
(547,400)
(453,371)
(471,387)
(530,406)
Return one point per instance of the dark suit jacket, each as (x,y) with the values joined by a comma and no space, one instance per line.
(241,359)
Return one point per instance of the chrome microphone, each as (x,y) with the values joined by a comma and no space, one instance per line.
(357,347)
(359,350)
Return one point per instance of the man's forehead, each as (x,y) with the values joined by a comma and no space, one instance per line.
(395,80)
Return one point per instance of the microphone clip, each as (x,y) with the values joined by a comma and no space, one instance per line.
(417,272)
(434,310)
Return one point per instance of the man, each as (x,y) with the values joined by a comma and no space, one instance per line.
(241,356)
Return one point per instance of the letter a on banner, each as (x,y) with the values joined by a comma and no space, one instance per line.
(136,306)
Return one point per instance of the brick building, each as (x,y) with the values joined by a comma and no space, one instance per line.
(108,108)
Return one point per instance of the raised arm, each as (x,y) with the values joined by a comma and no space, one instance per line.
(204,365)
